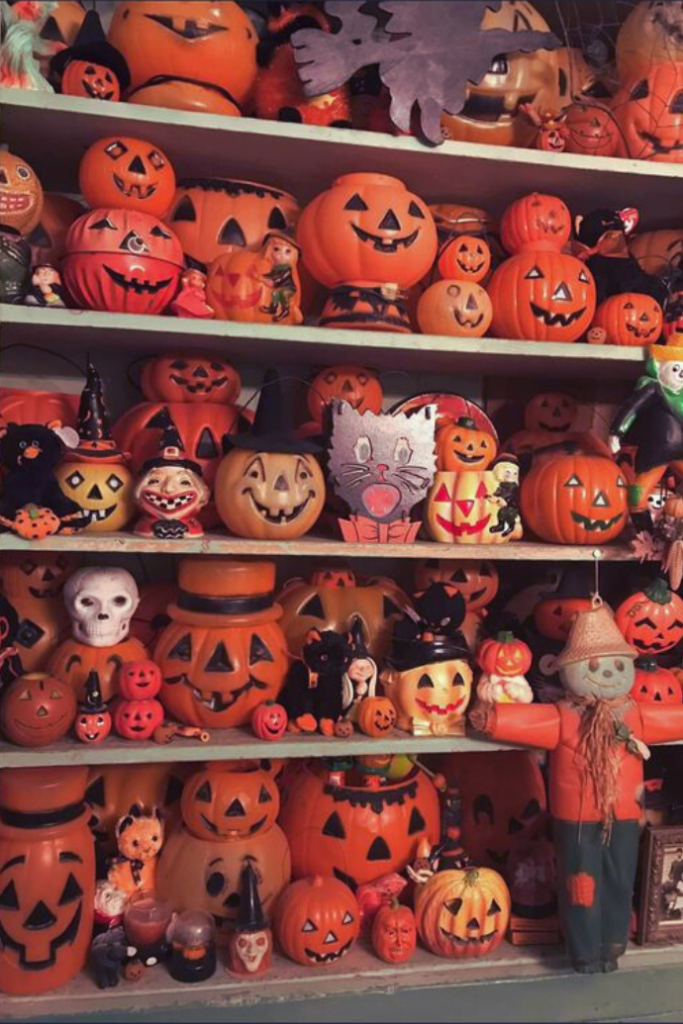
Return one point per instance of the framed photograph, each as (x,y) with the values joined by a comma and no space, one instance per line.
(661,904)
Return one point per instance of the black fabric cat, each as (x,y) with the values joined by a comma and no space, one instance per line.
(313,689)
(30,453)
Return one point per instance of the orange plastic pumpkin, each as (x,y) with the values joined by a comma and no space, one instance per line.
(651,34)
(269,721)
(465,258)
(542,296)
(262,287)
(460,309)
(317,921)
(73,662)
(21,194)
(651,619)
(575,499)
(33,582)
(590,130)
(48,238)
(357,385)
(463,914)
(230,801)
(550,411)
(196,377)
(463,446)
(461,509)
(394,933)
(536,222)
(554,616)
(476,581)
(649,114)
(629,319)
(37,710)
(127,174)
(655,683)
(376,716)
(86,78)
(504,655)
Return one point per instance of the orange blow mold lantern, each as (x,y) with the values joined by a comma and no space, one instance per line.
(651,620)
(90,66)
(476,581)
(368,239)
(230,801)
(224,651)
(459,308)
(655,683)
(465,258)
(37,710)
(127,174)
(629,319)
(649,115)
(122,261)
(536,222)
(317,921)
(21,194)
(357,385)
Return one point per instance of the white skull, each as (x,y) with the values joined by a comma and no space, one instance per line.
(251,947)
(101,603)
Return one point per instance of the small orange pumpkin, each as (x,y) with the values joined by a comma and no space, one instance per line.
(317,920)
(538,222)
(394,933)
(466,258)
(37,710)
(651,619)
(629,319)
(462,445)
(376,716)
(504,655)
(34,522)
(357,385)
(460,309)
(95,81)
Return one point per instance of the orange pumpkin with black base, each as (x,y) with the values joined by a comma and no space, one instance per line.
(37,710)
(463,913)
(651,619)
(653,682)
(224,652)
(127,174)
(629,319)
(317,921)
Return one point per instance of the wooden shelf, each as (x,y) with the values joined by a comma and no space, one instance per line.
(513,984)
(317,547)
(70,329)
(275,153)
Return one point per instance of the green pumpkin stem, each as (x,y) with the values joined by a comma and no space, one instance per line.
(658,591)
(505,636)
(471,876)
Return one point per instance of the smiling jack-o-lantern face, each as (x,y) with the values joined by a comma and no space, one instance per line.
(590,129)
(431,698)
(539,222)
(318,920)
(367,228)
(654,683)
(651,620)
(92,726)
(461,446)
(648,110)
(229,802)
(21,194)
(122,261)
(197,378)
(268,495)
(629,319)
(104,492)
(127,173)
(476,581)
(463,913)
(461,509)
(466,258)
(542,296)
(356,385)
(37,710)
(34,577)
(461,309)
(86,78)
(550,411)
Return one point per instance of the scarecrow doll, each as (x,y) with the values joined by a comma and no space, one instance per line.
(597,740)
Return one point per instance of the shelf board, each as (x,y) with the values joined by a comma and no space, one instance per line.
(317,547)
(235,744)
(512,984)
(276,152)
(65,329)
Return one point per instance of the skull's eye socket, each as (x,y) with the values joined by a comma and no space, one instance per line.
(116,149)
(86,602)
(75,479)
(120,601)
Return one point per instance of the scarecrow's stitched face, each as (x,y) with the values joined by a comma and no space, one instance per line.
(170,492)
(606,677)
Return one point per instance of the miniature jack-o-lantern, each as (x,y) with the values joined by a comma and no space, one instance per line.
(216,216)
(629,319)
(649,114)
(317,921)
(37,710)
(476,581)
(269,721)
(201,58)
(33,583)
(86,78)
(224,651)
(651,34)
(93,720)
(376,716)
(127,174)
(262,287)
(121,261)
(354,833)
(463,914)
(651,619)
(357,385)
(138,719)
(474,507)
(465,258)
(575,499)
(536,222)
(48,238)
(542,296)
(463,446)
(461,309)
(21,194)
(230,801)
(47,878)
(394,933)
(655,683)
(590,129)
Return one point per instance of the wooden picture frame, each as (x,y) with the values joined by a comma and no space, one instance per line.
(660,917)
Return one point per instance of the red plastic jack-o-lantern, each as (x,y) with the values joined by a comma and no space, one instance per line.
(465,258)
(536,222)
(199,58)
(629,319)
(394,934)
(139,680)
(137,719)
(357,385)
(48,238)
(476,581)
(269,721)
(648,113)
(224,652)
(653,682)
(37,710)
(651,619)
(33,583)
(461,309)
(121,261)
(356,833)
(127,174)
(575,499)
(231,801)
(463,914)
(21,194)
(464,446)
(317,921)
(73,662)
(542,296)
(86,78)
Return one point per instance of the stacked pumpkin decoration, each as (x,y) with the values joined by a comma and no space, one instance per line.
(21,204)
(458,305)
(368,239)
(540,293)
(228,821)
(34,583)
(137,712)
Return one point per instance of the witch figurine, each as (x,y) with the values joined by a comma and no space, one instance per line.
(171,492)
(93,721)
(250,944)
(91,66)
(359,680)
(597,738)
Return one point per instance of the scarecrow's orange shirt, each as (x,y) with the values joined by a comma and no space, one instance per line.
(555,727)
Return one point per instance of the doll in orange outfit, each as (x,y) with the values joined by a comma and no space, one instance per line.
(597,740)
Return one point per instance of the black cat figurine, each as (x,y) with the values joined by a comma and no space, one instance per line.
(313,693)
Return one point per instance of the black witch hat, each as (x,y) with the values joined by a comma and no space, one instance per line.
(95,439)
(432,632)
(272,429)
(250,917)
(171,450)
(93,703)
(359,644)
(91,44)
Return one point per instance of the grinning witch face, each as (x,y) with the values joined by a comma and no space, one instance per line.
(171,492)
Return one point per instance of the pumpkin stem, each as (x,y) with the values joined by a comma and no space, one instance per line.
(658,591)
(471,876)
(505,636)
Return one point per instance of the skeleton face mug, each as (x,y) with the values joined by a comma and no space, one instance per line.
(101,603)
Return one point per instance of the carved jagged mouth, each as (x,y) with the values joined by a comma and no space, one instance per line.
(218,700)
(327,958)
(197,387)
(471,270)
(596,524)
(234,833)
(438,709)
(555,319)
(657,145)
(94,94)
(479,107)
(458,529)
(169,505)
(189,29)
(47,592)
(134,284)
(96,515)
(67,937)
(281,517)
(465,321)
(650,645)
(386,244)
(140,191)
(645,333)
(468,458)
(469,940)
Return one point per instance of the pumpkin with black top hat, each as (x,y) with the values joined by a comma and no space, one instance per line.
(91,66)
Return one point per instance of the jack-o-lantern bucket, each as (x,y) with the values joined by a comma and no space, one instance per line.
(47,878)
(473,507)
(224,653)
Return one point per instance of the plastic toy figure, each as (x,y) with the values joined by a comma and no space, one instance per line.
(313,690)
(505,469)
(107,954)
(171,493)
(283,255)
(140,837)
(652,419)
(360,678)
(191,299)
(250,945)
(93,721)
(46,287)
(597,741)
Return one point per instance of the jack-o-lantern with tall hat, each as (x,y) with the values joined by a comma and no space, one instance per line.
(171,492)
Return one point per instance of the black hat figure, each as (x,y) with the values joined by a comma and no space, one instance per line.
(272,429)
(96,442)
(434,635)
(91,67)
(171,491)
(93,721)
(250,945)
(360,678)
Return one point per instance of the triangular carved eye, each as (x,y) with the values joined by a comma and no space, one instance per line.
(204,794)
(356,203)
(314,608)
(219,660)
(493,909)
(72,891)
(206,445)
(417,822)
(232,234)
(8,898)
(258,651)
(453,906)
(235,810)
(265,796)
(415,211)
(379,850)
(333,827)
(533,273)
(182,651)
(309,926)
(276,221)
(348,918)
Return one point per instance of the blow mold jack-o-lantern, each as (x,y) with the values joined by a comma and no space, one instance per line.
(200,58)
(655,683)
(462,446)
(33,583)
(651,34)
(461,309)
(463,914)
(37,710)
(648,111)
(86,78)
(474,507)
(476,581)
(48,237)
(575,499)
(21,194)
(591,129)
(367,238)
(357,385)
(537,222)
(122,261)
(231,801)
(465,258)
(629,319)
(261,287)
(90,66)
(127,174)
(47,878)
(651,619)
(317,921)
(224,651)
(354,833)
